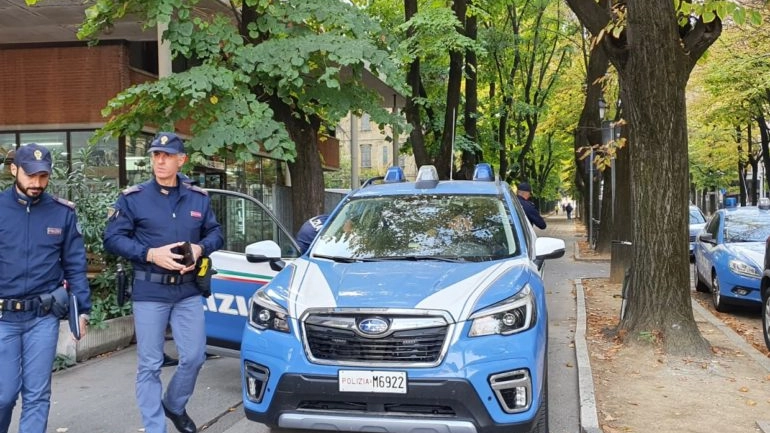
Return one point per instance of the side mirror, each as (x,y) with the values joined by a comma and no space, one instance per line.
(707,238)
(548,248)
(265,251)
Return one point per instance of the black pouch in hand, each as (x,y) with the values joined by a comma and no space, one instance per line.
(186,250)
(203,273)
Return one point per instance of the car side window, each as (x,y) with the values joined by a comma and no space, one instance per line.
(245,220)
(713,226)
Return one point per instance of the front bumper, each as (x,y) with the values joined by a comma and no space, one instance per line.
(469,392)
(739,290)
(314,402)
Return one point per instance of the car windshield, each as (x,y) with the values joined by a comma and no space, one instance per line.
(696,216)
(419,227)
(747,226)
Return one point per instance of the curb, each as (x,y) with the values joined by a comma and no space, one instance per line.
(578,258)
(754,354)
(589,420)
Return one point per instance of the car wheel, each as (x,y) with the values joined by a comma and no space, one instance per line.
(716,296)
(700,286)
(541,419)
(766,317)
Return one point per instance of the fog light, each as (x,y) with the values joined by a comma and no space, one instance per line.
(521,397)
(740,291)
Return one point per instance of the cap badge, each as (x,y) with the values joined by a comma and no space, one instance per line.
(38,155)
(163,140)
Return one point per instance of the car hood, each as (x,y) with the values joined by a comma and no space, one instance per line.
(457,288)
(750,252)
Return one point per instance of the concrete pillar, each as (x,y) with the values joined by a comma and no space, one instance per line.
(164,52)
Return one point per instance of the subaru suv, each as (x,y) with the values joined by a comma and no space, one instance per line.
(419,307)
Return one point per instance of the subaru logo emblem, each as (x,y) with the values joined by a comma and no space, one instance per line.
(373,326)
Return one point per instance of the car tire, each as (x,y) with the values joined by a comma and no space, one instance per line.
(716,296)
(541,419)
(766,316)
(700,286)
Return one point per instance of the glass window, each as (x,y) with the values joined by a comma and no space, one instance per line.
(366,123)
(422,226)
(385,158)
(138,168)
(244,222)
(102,157)
(366,155)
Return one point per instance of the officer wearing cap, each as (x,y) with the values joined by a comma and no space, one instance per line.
(41,247)
(524,194)
(308,231)
(148,225)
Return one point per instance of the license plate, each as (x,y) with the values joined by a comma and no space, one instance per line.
(393,382)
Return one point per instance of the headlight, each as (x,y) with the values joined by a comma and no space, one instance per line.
(745,269)
(264,313)
(511,316)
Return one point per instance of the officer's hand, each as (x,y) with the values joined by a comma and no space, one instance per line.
(83,326)
(167,259)
(197,251)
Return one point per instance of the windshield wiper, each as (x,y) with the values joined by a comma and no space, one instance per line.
(337,259)
(452,259)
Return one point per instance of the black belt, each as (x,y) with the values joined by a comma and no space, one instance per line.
(19,304)
(171,279)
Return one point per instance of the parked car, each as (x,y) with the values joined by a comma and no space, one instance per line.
(765,294)
(697,222)
(729,255)
(418,307)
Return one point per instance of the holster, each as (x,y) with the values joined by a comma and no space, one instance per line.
(203,273)
(55,303)
(121,281)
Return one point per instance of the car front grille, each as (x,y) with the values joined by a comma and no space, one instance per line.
(413,341)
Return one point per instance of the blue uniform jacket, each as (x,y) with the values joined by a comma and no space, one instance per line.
(145,218)
(308,232)
(532,214)
(40,246)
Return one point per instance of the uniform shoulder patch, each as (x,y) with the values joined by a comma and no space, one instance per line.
(64,201)
(131,189)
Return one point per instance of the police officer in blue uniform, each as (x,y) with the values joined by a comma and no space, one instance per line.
(148,225)
(308,232)
(524,193)
(41,247)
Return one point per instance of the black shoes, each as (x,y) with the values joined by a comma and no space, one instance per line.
(182,422)
(169,361)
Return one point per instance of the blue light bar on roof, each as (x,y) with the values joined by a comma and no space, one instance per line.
(393,175)
(483,171)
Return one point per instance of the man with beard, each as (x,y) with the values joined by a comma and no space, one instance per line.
(149,225)
(41,247)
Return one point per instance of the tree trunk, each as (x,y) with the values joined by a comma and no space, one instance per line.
(470,156)
(445,158)
(654,77)
(412,110)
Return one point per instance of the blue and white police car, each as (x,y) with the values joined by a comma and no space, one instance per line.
(729,254)
(419,307)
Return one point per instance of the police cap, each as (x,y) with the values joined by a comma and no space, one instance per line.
(167,142)
(33,158)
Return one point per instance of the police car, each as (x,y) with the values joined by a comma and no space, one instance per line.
(419,307)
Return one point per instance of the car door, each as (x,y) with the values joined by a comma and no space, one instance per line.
(245,220)
(704,255)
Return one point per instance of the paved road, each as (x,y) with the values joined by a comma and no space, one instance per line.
(564,401)
(97,396)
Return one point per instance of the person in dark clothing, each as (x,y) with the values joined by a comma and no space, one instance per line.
(147,225)
(308,232)
(524,193)
(568,209)
(41,248)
